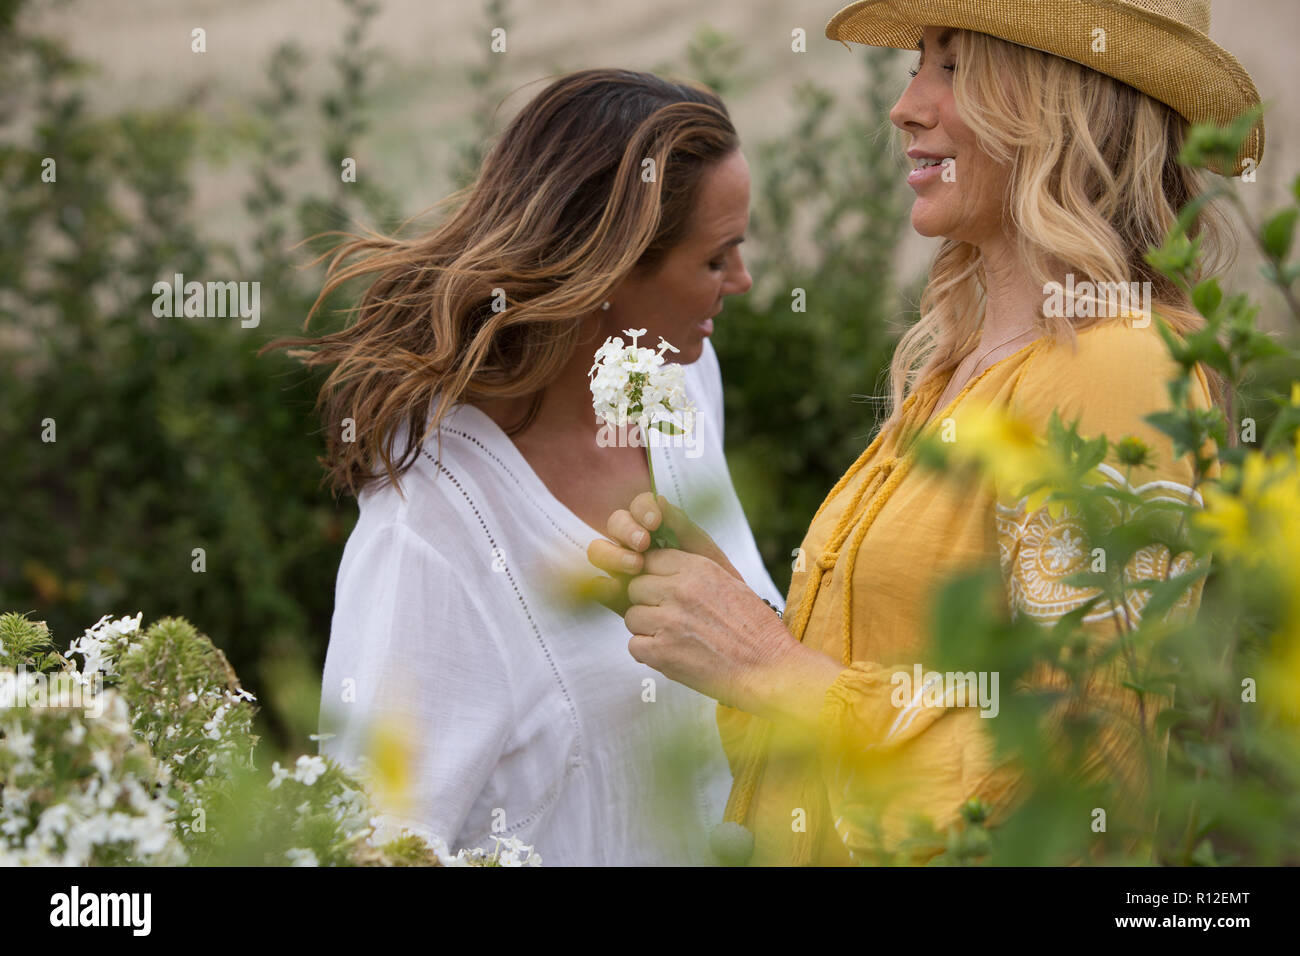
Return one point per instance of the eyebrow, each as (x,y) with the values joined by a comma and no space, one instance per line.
(944,38)
(733,241)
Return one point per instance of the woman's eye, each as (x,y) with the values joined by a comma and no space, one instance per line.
(717,266)
(950,67)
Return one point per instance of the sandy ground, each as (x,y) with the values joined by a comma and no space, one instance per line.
(142,48)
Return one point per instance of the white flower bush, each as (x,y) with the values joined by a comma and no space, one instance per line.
(143,754)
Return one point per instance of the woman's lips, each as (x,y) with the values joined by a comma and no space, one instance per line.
(925,174)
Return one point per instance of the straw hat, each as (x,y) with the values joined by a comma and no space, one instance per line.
(1159,47)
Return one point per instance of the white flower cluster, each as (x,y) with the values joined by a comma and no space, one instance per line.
(45,821)
(97,644)
(307,770)
(351,810)
(634,385)
(509,852)
(121,783)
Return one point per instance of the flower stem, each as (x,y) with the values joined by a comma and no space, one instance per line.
(663,536)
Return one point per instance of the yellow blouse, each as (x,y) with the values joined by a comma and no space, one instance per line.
(863,597)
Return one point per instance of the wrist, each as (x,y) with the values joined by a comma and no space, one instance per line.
(793,686)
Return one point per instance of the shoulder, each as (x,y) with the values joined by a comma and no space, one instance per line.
(385,541)
(1107,381)
(428,516)
(1108,352)
(447,467)
(1110,373)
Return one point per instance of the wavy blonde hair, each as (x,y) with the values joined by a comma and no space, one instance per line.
(560,213)
(1094,182)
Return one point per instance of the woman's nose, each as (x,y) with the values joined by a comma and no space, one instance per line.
(914,108)
(743,281)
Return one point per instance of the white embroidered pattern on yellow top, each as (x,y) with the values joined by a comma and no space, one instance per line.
(1039,552)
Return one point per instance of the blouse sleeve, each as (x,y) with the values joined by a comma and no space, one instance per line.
(416,680)
(930,757)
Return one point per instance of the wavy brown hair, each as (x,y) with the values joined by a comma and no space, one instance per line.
(488,304)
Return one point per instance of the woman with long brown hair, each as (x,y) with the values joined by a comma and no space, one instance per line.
(459,413)
(1044,139)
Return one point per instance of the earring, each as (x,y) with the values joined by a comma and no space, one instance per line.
(605,307)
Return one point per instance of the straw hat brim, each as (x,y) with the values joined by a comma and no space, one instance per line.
(1168,60)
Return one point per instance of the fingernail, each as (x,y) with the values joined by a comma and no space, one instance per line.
(641,538)
(629,561)
(649,518)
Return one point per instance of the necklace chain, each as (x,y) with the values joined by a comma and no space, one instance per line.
(996,347)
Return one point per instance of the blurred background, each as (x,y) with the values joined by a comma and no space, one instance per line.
(172,435)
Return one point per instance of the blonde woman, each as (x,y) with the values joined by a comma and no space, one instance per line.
(459,414)
(1034,168)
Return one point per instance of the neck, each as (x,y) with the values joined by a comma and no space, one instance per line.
(566,401)
(1014,299)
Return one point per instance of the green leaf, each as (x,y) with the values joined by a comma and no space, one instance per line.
(1167,593)
(1207,296)
(664,538)
(1278,233)
(1177,426)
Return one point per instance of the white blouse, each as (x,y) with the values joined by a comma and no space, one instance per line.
(523,711)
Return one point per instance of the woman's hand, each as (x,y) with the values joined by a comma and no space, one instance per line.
(699,624)
(630,530)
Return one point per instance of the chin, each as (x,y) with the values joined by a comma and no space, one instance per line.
(691,352)
(927,224)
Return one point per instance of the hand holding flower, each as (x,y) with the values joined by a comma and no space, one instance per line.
(699,624)
(631,530)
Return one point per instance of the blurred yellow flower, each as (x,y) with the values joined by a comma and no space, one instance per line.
(390,754)
(1007,450)
(1258,527)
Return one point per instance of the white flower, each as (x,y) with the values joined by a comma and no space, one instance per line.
(278,775)
(309,769)
(102,761)
(301,857)
(20,744)
(634,385)
(212,728)
(514,852)
(97,644)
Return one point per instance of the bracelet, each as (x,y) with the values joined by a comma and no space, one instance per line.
(779,613)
